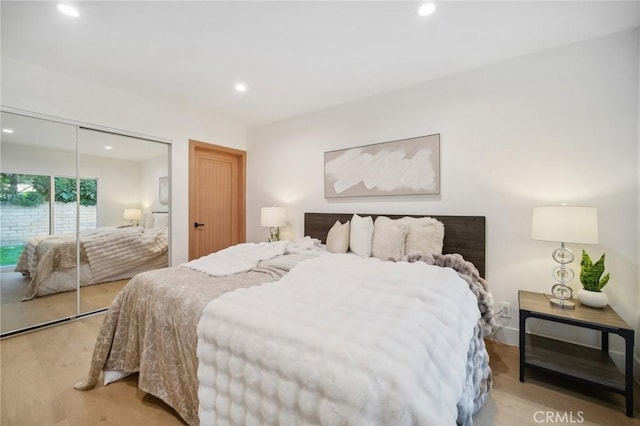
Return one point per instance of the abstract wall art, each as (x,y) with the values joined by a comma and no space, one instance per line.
(163,190)
(402,167)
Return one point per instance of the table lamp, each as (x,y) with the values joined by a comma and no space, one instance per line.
(133,215)
(273,217)
(564,224)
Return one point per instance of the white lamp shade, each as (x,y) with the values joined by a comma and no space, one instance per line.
(566,224)
(132,214)
(273,216)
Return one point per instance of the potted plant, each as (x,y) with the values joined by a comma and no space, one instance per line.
(592,281)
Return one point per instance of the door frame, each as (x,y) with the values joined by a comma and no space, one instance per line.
(195,145)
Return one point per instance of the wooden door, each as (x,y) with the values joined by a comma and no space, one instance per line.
(217,179)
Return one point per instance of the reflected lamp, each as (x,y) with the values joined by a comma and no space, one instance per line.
(133,215)
(273,217)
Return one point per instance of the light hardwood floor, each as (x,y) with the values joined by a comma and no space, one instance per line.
(16,314)
(38,371)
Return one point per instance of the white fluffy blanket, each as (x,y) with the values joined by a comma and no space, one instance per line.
(243,257)
(340,339)
(238,258)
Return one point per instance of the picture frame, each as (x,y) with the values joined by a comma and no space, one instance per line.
(163,190)
(401,167)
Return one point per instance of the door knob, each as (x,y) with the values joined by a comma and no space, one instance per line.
(196,224)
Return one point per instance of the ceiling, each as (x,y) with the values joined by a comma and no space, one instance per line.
(295,57)
(35,132)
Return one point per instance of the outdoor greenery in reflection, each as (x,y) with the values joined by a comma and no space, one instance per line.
(31,190)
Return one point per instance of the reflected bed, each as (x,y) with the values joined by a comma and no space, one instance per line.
(106,254)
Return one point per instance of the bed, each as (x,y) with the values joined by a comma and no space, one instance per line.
(307,336)
(106,254)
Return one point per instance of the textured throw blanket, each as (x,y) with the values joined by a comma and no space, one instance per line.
(122,249)
(343,339)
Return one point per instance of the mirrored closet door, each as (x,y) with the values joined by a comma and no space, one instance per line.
(38,169)
(127,230)
(82,210)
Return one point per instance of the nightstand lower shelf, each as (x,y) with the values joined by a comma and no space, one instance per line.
(575,362)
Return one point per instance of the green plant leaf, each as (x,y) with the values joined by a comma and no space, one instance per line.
(585,261)
(590,273)
(598,268)
(603,281)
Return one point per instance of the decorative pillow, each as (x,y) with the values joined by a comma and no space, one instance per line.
(160,220)
(338,238)
(425,236)
(389,238)
(361,235)
(147,220)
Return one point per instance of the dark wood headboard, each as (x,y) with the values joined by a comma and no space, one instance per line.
(462,234)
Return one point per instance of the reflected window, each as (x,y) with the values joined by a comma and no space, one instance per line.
(65,204)
(25,212)
(26,206)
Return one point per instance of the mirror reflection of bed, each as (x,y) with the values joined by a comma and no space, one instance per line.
(122,222)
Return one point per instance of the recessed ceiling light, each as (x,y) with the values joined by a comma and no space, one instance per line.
(241,87)
(108,148)
(68,10)
(426,9)
(7,130)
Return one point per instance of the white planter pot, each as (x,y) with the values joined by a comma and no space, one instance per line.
(593,299)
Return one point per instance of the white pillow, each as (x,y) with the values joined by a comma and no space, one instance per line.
(389,238)
(361,235)
(147,220)
(338,238)
(160,220)
(425,236)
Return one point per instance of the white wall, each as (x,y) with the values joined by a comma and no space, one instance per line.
(150,173)
(45,91)
(118,186)
(556,126)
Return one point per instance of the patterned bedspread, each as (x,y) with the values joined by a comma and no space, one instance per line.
(44,254)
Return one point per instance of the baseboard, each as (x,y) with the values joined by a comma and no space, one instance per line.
(511,336)
(506,335)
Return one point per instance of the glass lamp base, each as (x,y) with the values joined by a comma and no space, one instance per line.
(562,292)
(564,304)
(274,234)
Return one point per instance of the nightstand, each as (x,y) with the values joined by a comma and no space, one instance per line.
(579,363)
